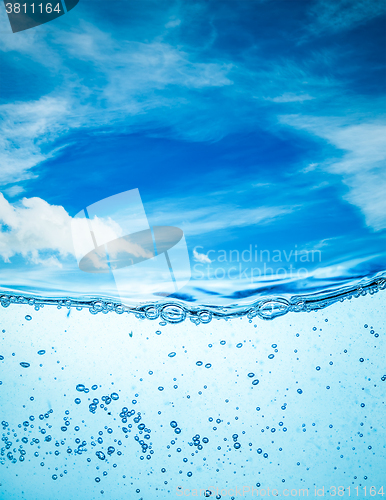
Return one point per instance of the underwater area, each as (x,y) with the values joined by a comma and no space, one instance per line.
(118,406)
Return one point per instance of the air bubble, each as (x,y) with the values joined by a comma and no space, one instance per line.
(173,313)
(152,312)
(205,316)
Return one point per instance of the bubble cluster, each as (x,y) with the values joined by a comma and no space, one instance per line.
(108,428)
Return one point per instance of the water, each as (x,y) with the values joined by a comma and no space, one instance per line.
(119,405)
(192,251)
(176,311)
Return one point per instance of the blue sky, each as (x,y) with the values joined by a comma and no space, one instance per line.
(244,123)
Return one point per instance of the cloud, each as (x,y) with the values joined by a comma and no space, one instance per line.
(214,217)
(27,129)
(226,217)
(13,191)
(137,67)
(42,233)
(123,83)
(290,97)
(33,227)
(173,23)
(109,83)
(201,257)
(340,15)
(361,161)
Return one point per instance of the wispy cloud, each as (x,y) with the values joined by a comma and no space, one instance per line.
(13,191)
(27,130)
(123,83)
(290,97)
(340,15)
(107,82)
(359,161)
(173,23)
(102,80)
(215,217)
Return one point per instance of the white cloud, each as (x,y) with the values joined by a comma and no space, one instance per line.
(42,233)
(290,97)
(33,227)
(201,257)
(362,166)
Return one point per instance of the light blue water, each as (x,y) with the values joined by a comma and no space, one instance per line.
(119,406)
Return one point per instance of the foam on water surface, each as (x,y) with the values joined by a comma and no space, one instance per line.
(176,311)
